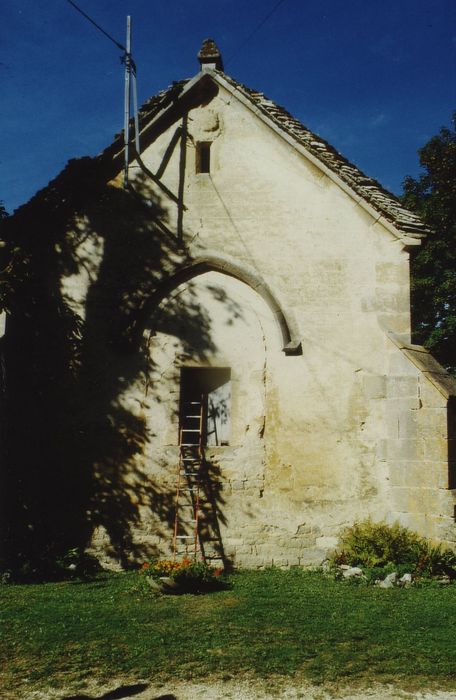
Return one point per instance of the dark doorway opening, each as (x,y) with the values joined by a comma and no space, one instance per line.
(205,406)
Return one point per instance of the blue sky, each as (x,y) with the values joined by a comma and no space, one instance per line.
(376,78)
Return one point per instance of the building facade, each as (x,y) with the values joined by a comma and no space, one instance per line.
(270,300)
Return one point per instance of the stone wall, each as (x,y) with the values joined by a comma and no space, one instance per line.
(351,427)
(420,443)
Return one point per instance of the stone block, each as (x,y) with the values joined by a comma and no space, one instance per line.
(424,473)
(402,499)
(444,527)
(399,365)
(381,450)
(326,543)
(397,473)
(374,386)
(281,562)
(392,424)
(392,300)
(414,521)
(415,499)
(435,449)
(433,422)
(404,450)
(312,557)
(430,395)
(390,272)
(300,541)
(408,425)
(401,387)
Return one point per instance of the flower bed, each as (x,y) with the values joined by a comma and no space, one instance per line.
(184,576)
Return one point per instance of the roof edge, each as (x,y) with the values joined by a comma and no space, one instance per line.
(408,239)
(419,356)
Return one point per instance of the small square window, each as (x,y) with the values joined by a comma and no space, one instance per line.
(203,157)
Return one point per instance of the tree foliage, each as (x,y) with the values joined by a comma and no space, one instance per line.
(433,196)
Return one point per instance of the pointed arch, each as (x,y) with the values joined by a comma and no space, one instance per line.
(209,262)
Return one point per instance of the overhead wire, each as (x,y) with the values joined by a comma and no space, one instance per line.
(252,33)
(84,14)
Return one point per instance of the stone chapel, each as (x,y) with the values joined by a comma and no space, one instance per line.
(279,395)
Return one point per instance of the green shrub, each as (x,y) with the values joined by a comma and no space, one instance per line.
(379,548)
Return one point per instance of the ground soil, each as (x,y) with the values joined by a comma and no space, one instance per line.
(244,689)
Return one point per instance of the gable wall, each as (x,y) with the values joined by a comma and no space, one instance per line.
(313,445)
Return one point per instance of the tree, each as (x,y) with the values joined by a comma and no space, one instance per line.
(433,266)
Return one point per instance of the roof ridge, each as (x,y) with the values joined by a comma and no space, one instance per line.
(369,190)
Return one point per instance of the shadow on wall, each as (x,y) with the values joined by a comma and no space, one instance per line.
(72,443)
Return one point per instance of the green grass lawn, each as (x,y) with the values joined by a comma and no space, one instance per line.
(269,623)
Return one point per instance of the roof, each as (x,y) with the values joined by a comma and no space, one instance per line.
(163,109)
(428,366)
(366,190)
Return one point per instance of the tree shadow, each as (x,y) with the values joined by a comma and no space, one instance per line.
(124,691)
(211,514)
(88,256)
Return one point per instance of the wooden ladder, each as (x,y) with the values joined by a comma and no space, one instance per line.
(188,483)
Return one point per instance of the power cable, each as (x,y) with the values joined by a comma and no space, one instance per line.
(257,28)
(118,44)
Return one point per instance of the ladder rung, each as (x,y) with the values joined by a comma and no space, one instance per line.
(185,537)
(197,416)
(190,430)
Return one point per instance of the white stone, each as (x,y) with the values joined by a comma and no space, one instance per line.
(352,571)
(389,581)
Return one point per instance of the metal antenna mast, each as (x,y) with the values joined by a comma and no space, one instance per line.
(127,60)
(130,81)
